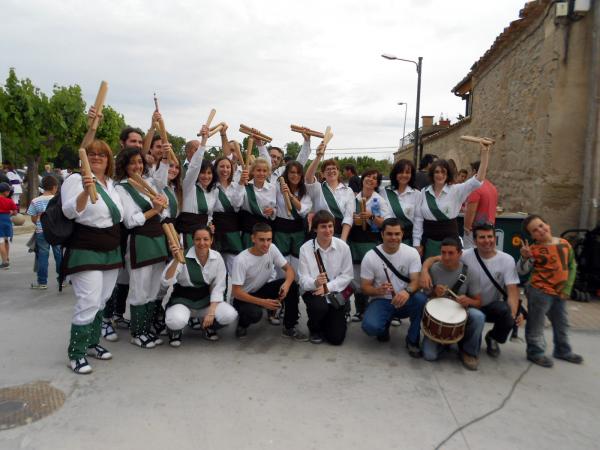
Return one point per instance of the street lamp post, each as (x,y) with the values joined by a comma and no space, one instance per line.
(404,126)
(419,65)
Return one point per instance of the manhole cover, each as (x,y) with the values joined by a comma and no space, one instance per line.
(20,405)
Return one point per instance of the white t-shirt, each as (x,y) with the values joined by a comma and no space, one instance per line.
(253,272)
(502,267)
(406,261)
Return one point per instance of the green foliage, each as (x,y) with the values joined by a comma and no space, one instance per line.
(177,142)
(292,149)
(110,127)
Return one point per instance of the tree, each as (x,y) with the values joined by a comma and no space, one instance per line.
(292,149)
(25,121)
(110,128)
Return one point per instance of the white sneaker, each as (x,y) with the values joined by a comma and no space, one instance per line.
(143,341)
(99,352)
(157,340)
(108,332)
(80,366)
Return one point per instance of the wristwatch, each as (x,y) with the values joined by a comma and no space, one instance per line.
(409,290)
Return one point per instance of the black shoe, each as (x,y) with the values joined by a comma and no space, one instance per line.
(571,357)
(241,332)
(195,323)
(316,338)
(210,334)
(174,338)
(357,317)
(493,349)
(541,360)
(294,333)
(120,321)
(413,349)
(385,337)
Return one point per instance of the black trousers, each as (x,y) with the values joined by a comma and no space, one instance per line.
(250,313)
(323,318)
(117,303)
(500,315)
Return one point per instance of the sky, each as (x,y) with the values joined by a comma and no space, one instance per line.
(263,63)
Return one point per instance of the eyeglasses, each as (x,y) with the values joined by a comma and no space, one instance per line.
(97,155)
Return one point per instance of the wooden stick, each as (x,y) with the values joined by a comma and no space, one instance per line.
(155,102)
(255,133)
(478,140)
(238,152)
(387,275)
(164,137)
(321,267)
(175,235)
(215,130)
(139,187)
(363,208)
(286,196)
(139,180)
(328,136)
(173,241)
(305,130)
(452,293)
(87,171)
(220,124)
(211,116)
(93,124)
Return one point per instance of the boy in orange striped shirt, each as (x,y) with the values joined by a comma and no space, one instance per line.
(551,264)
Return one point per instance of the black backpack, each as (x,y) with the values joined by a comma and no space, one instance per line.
(57,228)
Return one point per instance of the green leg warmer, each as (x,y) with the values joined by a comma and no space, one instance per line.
(138,319)
(150,310)
(80,337)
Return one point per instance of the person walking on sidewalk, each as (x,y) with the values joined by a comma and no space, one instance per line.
(42,247)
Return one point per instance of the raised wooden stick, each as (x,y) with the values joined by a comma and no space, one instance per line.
(215,130)
(93,124)
(286,196)
(305,130)
(211,116)
(363,208)
(254,133)
(87,171)
(478,140)
(237,148)
(328,136)
(173,240)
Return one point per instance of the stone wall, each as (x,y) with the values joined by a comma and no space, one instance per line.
(534,106)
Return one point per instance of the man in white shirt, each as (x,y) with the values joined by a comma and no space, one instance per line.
(254,290)
(500,308)
(15,180)
(390,276)
(320,282)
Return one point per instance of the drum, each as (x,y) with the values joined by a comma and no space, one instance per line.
(18,219)
(444,321)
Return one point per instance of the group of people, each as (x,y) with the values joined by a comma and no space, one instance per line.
(260,237)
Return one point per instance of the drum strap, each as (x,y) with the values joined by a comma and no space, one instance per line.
(462,277)
(391,267)
(489,275)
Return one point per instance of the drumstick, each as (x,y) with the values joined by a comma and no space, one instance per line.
(238,152)
(387,275)
(321,267)
(363,208)
(249,146)
(215,130)
(155,102)
(87,171)
(254,133)
(286,196)
(139,180)
(453,294)
(328,136)
(305,130)
(164,137)
(478,140)
(211,116)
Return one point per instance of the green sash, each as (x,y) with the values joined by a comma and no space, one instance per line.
(254,208)
(397,208)
(433,207)
(137,197)
(331,202)
(112,208)
(201,201)
(295,214)
(225,201)
(186,295)
(195,272)
(172,202)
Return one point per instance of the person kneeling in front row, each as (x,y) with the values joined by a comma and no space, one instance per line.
(253,291)
(200,285)
(323,280)
(390,276)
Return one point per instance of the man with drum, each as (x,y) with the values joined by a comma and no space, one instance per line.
(389,274)
(498,278)
(452,278)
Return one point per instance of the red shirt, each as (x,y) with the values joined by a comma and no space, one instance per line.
(487,198)
(6,205)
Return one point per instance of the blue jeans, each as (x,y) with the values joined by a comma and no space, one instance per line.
(42,253)
(540,304)
(380,313)
(470,343)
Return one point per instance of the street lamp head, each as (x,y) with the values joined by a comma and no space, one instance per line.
(401,103)
(388,56)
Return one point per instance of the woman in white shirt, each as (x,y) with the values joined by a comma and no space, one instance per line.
(402,197)
(440,203)
(93,254)
(200,285)
(146,245)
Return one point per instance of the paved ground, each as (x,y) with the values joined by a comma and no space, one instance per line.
(271,393)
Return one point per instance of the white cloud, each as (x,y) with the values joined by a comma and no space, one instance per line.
(263,63)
